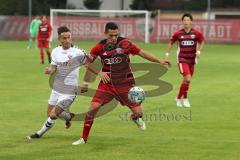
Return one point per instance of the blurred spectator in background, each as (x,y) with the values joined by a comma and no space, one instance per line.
(43,37)
(33,30)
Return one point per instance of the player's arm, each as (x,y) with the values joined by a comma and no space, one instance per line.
(168,50)
(153,58)
(199,48)
(200,44)
(50,70)
(173,38)
(91,69)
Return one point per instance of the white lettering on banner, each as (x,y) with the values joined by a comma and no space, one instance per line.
(220,32)
(229,28)
(126,29)
(96,28)
(215,31)
(85,29)
(168,29)
(212,32)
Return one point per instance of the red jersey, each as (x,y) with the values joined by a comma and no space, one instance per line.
(187,44)
(44,32)
(115,59)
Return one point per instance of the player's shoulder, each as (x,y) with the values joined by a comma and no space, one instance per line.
(57,49)
(120,39)
(180,31)
(98,46)
(196,31)
(78,50)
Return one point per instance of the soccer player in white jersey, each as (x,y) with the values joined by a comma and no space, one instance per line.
(66,61)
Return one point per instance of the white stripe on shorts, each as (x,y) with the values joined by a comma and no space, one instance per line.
(181,68)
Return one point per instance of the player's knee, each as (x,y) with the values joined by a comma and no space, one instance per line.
(187,79)
(53,115)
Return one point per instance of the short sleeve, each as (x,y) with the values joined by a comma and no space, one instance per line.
(94,52)
(200,37)
(134,50)
(82,57)
(174,37)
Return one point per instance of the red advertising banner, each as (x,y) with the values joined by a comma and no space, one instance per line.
(92,28)
(222,31)
(13,27)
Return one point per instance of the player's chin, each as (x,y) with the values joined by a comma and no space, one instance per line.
(68,45)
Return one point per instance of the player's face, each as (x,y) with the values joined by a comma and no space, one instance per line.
(65,39)
(44,19)
(187,22)
(112,35)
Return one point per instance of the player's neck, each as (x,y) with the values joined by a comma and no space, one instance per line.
(65,48)
(187,30)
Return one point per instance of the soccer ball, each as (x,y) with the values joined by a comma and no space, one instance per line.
(136,95)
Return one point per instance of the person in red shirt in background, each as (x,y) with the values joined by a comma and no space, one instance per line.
(43,37)
(190,43)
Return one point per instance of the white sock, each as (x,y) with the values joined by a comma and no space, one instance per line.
(47,125)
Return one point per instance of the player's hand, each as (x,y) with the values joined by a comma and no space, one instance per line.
(165,62)
(47,70)
(84,88)
(198,53)
(104,76)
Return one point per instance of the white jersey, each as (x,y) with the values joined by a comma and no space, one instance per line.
(68,63)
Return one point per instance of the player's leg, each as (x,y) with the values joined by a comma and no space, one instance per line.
(50,107)
(50,121)
(187,80)
(41,47)
(185,70)
(65,102)
(137,111)
(137,114)
(47,48)
(52,102)
(30,42)
(103,95)
(88,122)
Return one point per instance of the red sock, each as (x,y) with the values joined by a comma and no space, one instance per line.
(42,55)
(186,90)
(183,90)
(87,126)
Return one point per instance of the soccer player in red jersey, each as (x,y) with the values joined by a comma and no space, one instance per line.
(116,76)
(43,37)
(190,44)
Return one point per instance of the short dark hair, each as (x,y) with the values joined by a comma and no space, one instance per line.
(111,25)
(63,29)
(187,15)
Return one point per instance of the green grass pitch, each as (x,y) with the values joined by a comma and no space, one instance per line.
(210,130)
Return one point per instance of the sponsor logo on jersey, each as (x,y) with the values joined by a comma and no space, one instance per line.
(43,29)
(70,56)
(187,43)
(114,60)
(192,36)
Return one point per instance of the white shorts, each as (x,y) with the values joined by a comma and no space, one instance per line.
(62,100)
